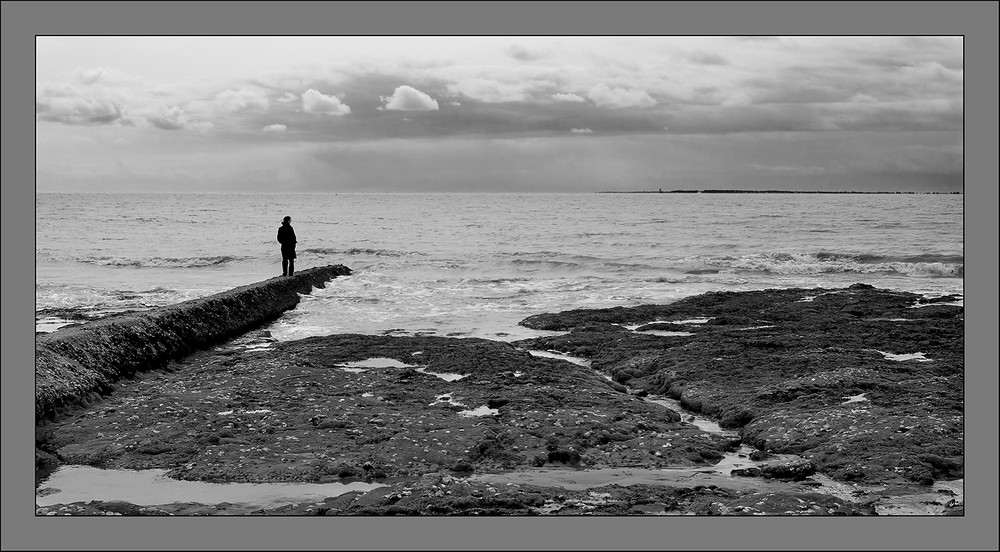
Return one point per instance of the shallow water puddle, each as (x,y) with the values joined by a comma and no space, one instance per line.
(231,412)
(443,375)
(381,362)
(664,333)
(50,325)
(561,356)
(445,399)
(919,357)
(704,424)
(701,423)
(958,303)
(71,484)
(854,398)
(934,501)
(701,320)
(376,362)
(480,411)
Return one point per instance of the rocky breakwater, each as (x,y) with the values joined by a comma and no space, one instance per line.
(867,385)
(76,364)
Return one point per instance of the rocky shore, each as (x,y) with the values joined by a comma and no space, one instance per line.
(830,401)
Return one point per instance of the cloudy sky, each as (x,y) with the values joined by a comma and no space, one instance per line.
(486,114)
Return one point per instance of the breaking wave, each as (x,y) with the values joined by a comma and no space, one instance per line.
(924,266)
(361,251)
(166,262)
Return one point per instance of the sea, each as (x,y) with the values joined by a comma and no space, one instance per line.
(474,265)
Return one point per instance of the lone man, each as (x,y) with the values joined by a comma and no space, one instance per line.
(286,237)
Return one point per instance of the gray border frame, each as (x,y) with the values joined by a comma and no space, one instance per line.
(977,21)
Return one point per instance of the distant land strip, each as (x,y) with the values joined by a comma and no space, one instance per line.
(661,191)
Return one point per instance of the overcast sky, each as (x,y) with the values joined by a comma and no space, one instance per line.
(550,114)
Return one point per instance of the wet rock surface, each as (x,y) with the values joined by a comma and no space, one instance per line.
(475,427)
(865,383)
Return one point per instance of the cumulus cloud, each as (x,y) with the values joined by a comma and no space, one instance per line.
(105,75)
(314,101)
(168,118)
(581,131)
(288,98)
(489,91)
(277,127)
(174,118)
(407,98)
(567,98)
(604,96)
(232,101)
(79,111)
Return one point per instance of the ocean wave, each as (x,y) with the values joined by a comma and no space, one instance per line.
(923,266)
(564,260)
(361,251)
(872,258)
(545,262)
(493,281)
(165,262)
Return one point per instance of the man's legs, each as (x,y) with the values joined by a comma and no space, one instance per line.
(291,266)
(284,266)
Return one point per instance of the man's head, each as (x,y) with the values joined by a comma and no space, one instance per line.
(286,220)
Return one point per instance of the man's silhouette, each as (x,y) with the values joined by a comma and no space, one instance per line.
(286,237)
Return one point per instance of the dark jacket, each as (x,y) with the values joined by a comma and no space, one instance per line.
(286,235)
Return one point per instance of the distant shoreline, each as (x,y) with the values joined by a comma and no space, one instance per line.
(765,192)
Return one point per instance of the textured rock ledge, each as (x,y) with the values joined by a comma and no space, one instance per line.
(866,383)
(75,364)
(477,427)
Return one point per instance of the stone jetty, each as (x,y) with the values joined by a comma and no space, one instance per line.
(78,363)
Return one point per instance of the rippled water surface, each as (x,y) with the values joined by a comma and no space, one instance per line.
(476,264)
